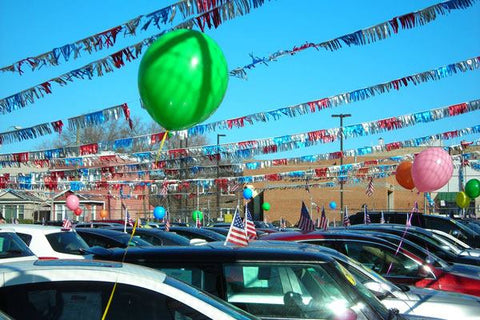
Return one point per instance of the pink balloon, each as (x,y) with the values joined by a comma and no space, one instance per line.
(72,202)
(431,169)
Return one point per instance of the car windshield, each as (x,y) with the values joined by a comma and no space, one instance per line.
(306,291)
(67,242)
(12,246)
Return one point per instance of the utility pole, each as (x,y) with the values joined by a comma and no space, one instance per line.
(218,173)
(341,116)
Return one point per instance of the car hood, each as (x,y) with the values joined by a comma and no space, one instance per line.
(433,303)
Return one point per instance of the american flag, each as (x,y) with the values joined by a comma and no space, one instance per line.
(382,218)
(234,187)
(198,222)
(249,225)
(236,233)
(366,216)
(283,223)
(166,221)
(409,216)
(370,188)
(346,219)
(164,190)
(67,224)
(128,219)
(323,221)
(305,223)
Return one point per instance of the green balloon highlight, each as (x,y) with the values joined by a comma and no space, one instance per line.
(462,200)
(266,206)
(472,188)
(182,79)
(197,213)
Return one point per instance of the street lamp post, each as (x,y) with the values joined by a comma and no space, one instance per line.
(218,172)
(341,116)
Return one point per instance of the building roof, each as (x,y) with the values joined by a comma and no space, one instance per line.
(21,195)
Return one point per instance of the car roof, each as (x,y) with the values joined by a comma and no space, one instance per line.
(217,252)
(65,270)
(29,228)
(154,231)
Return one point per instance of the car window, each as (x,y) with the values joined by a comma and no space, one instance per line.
(67,242)
(25,237)
(88,299)
(95,240)
(12,246)
(381,260)
(283,290)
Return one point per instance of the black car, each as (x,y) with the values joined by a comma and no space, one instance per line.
(197,233)
(272,283)
(426,221)
(157,237)
(423,238)
(109,238)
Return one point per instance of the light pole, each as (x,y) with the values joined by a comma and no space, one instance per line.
(218,172)
(341,116)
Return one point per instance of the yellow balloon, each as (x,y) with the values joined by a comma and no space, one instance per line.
(462,200)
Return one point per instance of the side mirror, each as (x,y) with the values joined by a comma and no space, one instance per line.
(380,290)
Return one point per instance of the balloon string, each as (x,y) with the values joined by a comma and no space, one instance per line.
(161,145)
(123,260)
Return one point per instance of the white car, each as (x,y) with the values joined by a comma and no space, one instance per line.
(88,289)
(50,242)
(12,248)
(460,247)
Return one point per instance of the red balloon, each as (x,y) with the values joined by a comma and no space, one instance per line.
(77,211)
(404,175)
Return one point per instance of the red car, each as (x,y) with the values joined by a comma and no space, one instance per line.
(384,257)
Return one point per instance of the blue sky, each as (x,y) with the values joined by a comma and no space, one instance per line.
(30,28)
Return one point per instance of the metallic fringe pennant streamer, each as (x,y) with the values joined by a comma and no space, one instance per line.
(362,37)
(108,38)
(342,98)
(83,121)
(116,60)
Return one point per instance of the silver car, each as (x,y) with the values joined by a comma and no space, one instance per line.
(410,300)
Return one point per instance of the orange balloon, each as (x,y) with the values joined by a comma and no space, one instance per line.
(103,213)
(404,175)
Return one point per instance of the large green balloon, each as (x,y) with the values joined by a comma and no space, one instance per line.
(462,200)
(182,79)
(197,213)
(472,188)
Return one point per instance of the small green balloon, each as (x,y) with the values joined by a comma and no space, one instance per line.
(197,213)
(472,188)
(266,206)
(182,79)
(462,200)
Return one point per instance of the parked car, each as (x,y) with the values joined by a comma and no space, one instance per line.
(197,233)
(110,238)
(408,300)
(423,238)
(97,225)
(426,221)
(391,261)
(272,283)
(12,248)
(50,242)
(224,231)
(68,289)
(156,236)
(464,248)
